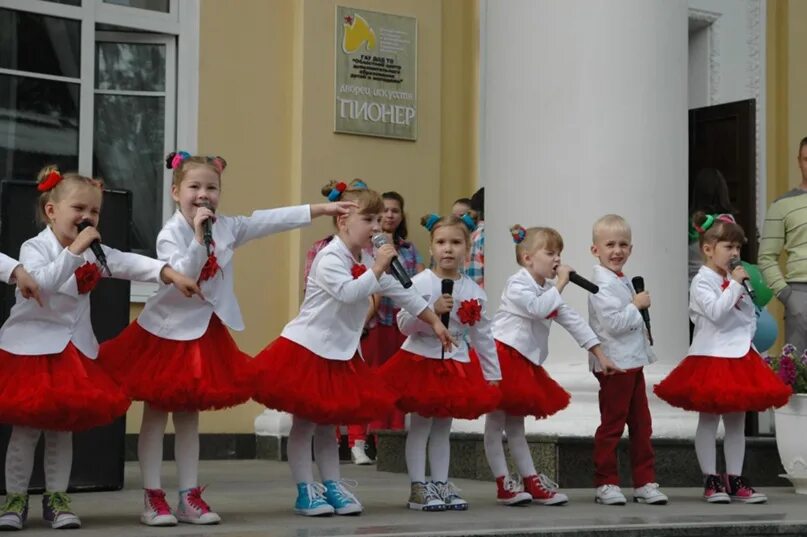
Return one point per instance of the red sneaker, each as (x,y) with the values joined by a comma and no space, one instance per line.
(543,490)
(510,492)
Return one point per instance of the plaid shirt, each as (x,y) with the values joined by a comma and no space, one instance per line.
(409,258)
(475,264)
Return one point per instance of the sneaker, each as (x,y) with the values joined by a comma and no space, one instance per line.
(610,495)
(740,490)
(192,509)
(56,510)
(543,490)
(424,497)
(510,492)
(15,512)
(359,454)
(714,490)
(342,500)
(450,495)
(157,511)
(311,500)
(649,494)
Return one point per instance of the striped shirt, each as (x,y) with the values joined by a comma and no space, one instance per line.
(785,228)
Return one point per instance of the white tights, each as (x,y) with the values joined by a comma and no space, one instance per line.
(186,447)
(20,459)
(497,423)
(433,432)
(733,442)
(326,451)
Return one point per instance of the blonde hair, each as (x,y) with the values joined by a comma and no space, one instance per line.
(432,223)
(369,201)
(59,191)
(529,240)
(610,222)
(182,163)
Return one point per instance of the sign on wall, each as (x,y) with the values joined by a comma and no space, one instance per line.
(376,74)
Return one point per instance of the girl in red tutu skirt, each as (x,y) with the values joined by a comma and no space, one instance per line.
(530,302)
(314,369)
(179,356)
(436,386)
(723,375)
(49,380)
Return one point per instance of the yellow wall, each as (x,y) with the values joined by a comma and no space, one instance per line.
(266,105)
(786,109)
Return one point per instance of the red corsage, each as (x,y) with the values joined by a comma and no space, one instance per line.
(552,315)
(51,180)
(87,277)
(724,284)
(210,269)
(357,270)
(470,311)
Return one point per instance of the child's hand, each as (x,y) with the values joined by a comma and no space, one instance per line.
(608,367)
(444,336)
(83,240)
(202,214)
(332,209)
(739,274)
(562,276)
(383,257)
(642,300)
(444,304)
(26,284)
(186,285)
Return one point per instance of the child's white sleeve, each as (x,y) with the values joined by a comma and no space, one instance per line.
(538,306)
(335,279)
(268,221)
(617,318)
(7,266)
(703,300)
(188,261)
(577,327)
(50,275)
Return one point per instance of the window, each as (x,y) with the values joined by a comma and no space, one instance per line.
(92,85)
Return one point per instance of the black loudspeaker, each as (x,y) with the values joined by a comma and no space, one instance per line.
(98,454)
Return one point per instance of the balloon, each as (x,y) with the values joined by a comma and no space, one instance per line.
(763,293)
(766,333)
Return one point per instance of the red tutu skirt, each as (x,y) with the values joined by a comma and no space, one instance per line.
(723,385)
(179,376)
(527,389)
(293,379)
(439,388)
(58,392)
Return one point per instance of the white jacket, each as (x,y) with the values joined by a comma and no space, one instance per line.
(7,266)
(171,315)
(422,341)
(333,312)
(32,329)
(725,319)
(617,322)
(526,314)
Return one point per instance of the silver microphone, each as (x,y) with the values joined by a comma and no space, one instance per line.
(395,265)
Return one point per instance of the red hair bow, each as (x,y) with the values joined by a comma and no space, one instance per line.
(51,180)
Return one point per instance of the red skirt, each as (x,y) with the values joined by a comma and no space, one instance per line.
(179,376)
(439,388)
(293,379)
(723,385)
(58,392)
(527,389)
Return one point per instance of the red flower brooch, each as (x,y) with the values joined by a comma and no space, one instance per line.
(87,277)
(357,270)
(470,311)
(210,269)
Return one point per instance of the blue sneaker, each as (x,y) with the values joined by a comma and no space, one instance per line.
(341,499)
(14,512)
(311,500)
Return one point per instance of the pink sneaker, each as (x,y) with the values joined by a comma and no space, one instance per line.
(193,509)
(157,511)
(740,490)
(714,490)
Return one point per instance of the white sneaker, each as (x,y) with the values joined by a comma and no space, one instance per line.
(192,509)
(156,511)
(610,495)
(359,453)
(649,494)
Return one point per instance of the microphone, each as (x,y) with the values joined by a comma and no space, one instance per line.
(207,229)
(733,264)
(447,288)
(578,280)
(638,286)
(395,266)
(95,246)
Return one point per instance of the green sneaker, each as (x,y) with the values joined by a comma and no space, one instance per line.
(15,512)
(56,510)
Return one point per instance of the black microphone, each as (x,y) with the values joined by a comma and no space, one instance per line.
(395,265)
(95,246)
(733,264)
(577,279)
(638,286)
(447,288)
(207,229)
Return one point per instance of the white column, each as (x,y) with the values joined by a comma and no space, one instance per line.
(585,113)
